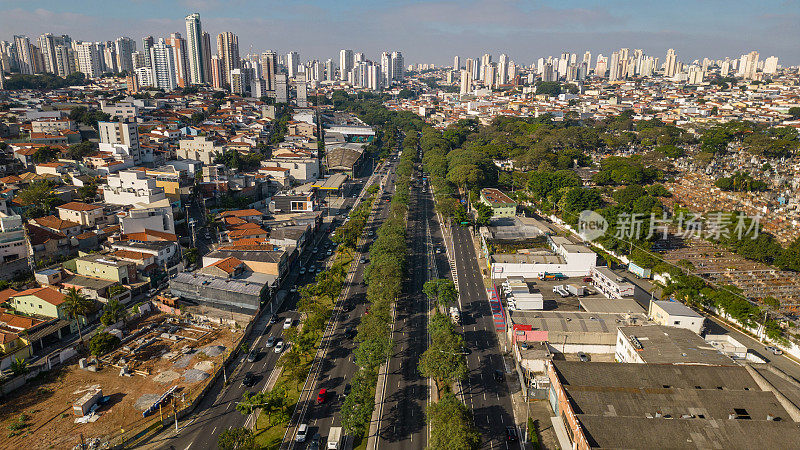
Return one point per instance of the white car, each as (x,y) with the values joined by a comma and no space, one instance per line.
(287,323)
(302,431)
(278,347)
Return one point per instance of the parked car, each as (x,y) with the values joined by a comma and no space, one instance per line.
(249,379)
(279,347)
(498,376)
(271,341)
(287,323)
(302,270)
(322,396)
(587,279)
(273,319)
(583,357)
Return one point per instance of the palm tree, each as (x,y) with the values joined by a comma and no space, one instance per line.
(77,305)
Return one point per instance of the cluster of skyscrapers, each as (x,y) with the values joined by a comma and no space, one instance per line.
(620,65)
(184,60)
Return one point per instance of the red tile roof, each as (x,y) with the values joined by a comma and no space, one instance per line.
(47,294)
(228,265)
(79,206)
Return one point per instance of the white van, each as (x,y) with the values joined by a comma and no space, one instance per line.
(302,432)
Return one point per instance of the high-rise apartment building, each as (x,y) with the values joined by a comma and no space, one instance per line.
(670,64)
(24,56)
(345,63)
(771,65)
(47,45)
(147,43)
(601,67)
(386,69)
(89,59)
(292,63)
(329,72)
(124,48)
(269,68)
(456,63)
(162,63)
(109,57)
(228,52)
(194,47)
(748,65)
(502,69)
(466,82)
(207,51)
(65,60)
(398,67)
(181,62)
(217,79)
(281,88)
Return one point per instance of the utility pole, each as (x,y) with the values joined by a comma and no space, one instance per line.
(175,411)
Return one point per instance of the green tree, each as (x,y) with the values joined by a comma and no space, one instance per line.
(77,306)
(794,111)
(358,405)
(44,155)
(19,366)
(268,402)
(191,256)
(38,198)
(443,360)
(294,366)
(113,312)
(236,439)
(102,343)
(88,192)
(485,213)
(78,151)
(451,425)
(551,88)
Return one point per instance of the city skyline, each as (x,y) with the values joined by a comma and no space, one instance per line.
(523,30)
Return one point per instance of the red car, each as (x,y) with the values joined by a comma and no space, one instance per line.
(587,279)
(322,396)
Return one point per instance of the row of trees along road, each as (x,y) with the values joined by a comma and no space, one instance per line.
(384,277)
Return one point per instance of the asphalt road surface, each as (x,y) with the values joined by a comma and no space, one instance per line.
(337,365)
(217,411)
(489,400)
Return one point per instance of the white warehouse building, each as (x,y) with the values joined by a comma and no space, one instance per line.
(572,260)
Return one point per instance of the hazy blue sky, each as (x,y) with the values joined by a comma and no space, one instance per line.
(434,31)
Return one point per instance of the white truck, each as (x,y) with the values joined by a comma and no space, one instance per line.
(455,314)
(334,437)
(560,290)
(576,290)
